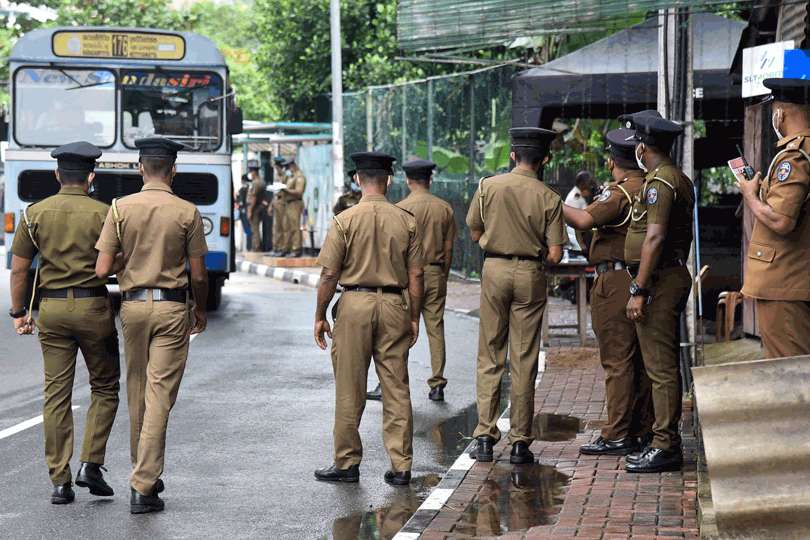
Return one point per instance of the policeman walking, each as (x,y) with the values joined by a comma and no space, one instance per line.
(517,220)
(627,387)
(437,228)
(157,234)
(656,249)
(74,314)
(374,252)
(776,271)
(255,198)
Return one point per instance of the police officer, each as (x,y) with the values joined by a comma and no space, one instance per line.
(74,314)
(776,271)
(279,209)
(296,184)
(656,248)
(517,220)
(373,250)
(157,234)
(351,195)
(437,228)
(241,201)
(255,198)
(627,388)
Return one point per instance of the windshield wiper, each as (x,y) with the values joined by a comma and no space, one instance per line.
(87,85)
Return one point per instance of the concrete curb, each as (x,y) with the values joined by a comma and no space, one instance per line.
(283,274)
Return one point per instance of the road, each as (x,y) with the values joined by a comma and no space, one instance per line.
(252,422)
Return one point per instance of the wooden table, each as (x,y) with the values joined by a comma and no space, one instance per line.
(580,270)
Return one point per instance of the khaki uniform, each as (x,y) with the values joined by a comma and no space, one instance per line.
(372,245)
(294,207)
(346,201)
(627,386)
(776,271)
(666,198)
(159,233)
(436,226)
(279,208)
(255,198)
(520,218)
(65,228)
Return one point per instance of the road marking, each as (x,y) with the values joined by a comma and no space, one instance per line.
(436,499)
(22,426)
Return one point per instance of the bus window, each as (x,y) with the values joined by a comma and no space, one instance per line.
(53,106)
(182,105)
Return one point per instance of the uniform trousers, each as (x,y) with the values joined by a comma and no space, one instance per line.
(513,298)
(433,315)
(67,325)
(372,325)
(156,339)
(784,327)
(256,229)
(279,224)
(292,226)
(627,387)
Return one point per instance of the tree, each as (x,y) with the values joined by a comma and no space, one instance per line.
(121,13)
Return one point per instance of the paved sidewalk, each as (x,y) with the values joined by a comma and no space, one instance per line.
(566,495)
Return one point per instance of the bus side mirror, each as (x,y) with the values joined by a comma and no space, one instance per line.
(235,121)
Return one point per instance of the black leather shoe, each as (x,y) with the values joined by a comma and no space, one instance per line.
(62,494)
(436,394)
(521,454)
(143,504)
(606,447)
(656,460)
(159,486)
(395,478)
(644,446)
(375,395)
(333,474)
(294,254)
(90,476)
(483,449)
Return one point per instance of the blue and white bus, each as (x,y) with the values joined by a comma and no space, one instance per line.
(110,86)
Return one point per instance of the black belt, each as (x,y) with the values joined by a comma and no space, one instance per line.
(436,264)
(609,266)
(489,255)
(78,292)
(158,295)
(673,263)
(361,288)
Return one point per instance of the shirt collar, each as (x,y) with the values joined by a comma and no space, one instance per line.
(785,140)
(157,186)
(523,172)
(373,198)
(666,162)
(72,190)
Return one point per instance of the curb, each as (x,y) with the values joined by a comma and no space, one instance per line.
(283,274)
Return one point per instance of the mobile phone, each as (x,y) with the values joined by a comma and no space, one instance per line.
(747,170)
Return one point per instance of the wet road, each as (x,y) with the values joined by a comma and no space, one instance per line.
(252,421)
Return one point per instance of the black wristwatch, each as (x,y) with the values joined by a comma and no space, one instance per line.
(18,314)
(638,290)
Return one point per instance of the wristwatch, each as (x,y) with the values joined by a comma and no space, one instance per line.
(17,314)
(638,290)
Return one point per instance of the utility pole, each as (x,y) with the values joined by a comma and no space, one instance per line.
(337,97)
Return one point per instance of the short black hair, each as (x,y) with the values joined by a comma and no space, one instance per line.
(157,166)
(73,177)
(625,164)
(529,155)
(379,176)
(419,178)
(583,178)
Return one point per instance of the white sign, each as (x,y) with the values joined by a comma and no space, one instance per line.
(760,63)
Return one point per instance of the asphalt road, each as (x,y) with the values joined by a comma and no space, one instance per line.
(252,422)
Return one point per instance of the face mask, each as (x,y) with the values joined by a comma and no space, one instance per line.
(288,173)
(775,119)
(355,188)
(638,160)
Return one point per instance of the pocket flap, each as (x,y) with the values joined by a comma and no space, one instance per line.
(761,253)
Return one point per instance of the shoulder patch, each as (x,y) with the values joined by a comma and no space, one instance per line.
(605,195)
(783,171)
(652,195)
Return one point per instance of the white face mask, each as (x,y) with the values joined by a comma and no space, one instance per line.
(288,173)
(775,118)
(638,160)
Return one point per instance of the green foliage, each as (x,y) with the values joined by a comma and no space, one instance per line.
(121,13)
(584,148)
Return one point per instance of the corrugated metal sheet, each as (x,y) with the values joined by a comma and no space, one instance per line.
(755,419)
(793,18)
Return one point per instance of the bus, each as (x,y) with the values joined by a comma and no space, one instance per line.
(110,86)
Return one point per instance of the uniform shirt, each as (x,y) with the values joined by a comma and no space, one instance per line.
(296,184)
(65,227)
(256,191)
(667,197)
(521,215)
(346,201)
(611,216)
(777,265)
(159,232)
(435,220)
(373,244)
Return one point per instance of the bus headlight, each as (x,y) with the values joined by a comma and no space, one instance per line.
(208,226)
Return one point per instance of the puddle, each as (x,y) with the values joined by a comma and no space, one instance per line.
(555,427)
(514,498)
(385,522)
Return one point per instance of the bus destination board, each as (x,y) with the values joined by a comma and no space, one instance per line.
(127,45)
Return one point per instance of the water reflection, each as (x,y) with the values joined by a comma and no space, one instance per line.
(514,498)
(555,427)
(385,522)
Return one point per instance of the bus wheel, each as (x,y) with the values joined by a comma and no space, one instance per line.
(214,299)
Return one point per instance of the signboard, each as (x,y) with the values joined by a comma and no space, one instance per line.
(760,63)
(797,64)
(127,45)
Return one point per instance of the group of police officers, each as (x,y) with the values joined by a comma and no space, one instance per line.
(392,264)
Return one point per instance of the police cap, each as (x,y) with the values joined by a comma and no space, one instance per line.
(654,130)
(253,165)
(78,156)
(621,144)
(419,169)
(158,147)
(364,161)
(351,172)
(789,90)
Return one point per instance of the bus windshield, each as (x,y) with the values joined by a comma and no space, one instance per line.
(56,105)
(185,106)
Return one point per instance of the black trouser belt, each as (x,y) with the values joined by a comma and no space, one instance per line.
(78,292)
(158,295)
(633,268)
(489,255)
(360,288)
(435,264)
(609,266)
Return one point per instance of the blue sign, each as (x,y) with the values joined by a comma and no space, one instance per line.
(797,64)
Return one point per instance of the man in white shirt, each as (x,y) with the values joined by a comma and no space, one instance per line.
(578,197)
